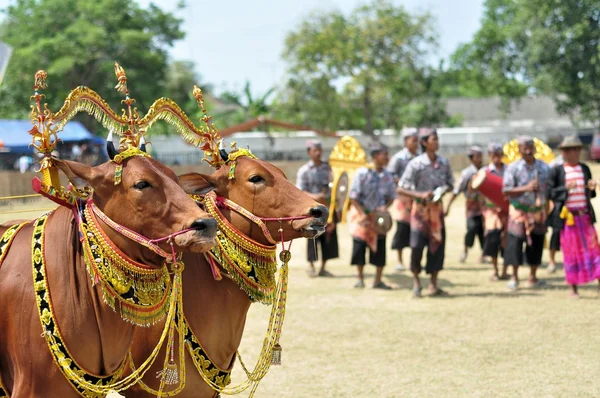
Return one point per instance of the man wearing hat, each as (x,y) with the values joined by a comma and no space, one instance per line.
(371,193)
(555,236)
(402,205)
(494,219)
(426,178)
(571,187)
(525,184)
(314,178)
(474,203)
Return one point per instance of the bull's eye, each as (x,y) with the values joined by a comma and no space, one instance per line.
(142,185)
(256,179)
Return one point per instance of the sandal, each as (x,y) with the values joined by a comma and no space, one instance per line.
(382,286)
(439,293)
(325,273)
(494,278)
(359,284)
(417,292)
(311,273)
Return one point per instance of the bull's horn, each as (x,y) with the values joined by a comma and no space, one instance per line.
(222,151)
(110,147)
(143,144)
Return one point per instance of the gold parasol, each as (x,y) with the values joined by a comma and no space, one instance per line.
(346,157)
(542,151)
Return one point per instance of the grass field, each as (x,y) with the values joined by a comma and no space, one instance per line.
(483,341)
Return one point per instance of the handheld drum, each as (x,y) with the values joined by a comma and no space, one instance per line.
(490,186)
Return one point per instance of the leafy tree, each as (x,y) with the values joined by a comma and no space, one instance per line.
(77,43)
(547,47)
(364,53)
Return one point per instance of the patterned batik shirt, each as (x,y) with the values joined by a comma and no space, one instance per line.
(422,175)
(372,189)
(518,174)
(474,203)
(399,162)
(315,179)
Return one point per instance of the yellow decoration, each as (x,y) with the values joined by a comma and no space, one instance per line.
(346,157)
(542,151)
(565,214)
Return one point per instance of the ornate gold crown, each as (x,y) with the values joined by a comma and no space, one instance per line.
(129,126)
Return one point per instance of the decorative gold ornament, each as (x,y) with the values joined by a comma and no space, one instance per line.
(142,292)
(346,157)
(542,151)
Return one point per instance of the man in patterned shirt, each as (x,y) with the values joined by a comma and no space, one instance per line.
(423,175)
(402,205)
(474,203)
(555,236)
(372,189)
(495,220)
(525,183)
(314,178)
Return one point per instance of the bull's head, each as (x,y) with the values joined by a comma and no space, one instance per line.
(264,190)
(149,201)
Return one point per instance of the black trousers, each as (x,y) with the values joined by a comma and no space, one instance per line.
(474,229)
(329,247)
(434,261)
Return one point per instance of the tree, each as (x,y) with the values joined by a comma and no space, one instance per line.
(77,43)
(546,47)
(364,53)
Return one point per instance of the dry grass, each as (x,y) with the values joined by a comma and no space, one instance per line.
(483,341)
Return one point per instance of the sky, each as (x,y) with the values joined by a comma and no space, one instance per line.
(234,40)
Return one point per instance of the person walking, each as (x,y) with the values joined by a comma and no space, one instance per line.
(571,187)
(372,190)
(426,178)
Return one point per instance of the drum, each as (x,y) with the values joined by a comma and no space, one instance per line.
(382,222)
(490,186)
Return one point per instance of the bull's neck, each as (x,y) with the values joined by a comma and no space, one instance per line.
(216,310)
(131,249)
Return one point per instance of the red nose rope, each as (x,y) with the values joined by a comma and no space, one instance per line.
(225,203)
(148,243)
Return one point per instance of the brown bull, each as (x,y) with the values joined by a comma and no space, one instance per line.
(148,201)
(216,310)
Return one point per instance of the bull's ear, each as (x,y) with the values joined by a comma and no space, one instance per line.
(79,174)
(197,184)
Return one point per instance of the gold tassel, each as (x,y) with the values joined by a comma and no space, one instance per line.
(276,355)
(169,375)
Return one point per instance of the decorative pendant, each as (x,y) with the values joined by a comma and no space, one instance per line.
(276,355)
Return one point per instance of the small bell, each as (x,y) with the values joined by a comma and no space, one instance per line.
(276,355)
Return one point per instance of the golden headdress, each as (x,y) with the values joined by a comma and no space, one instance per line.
(129,126)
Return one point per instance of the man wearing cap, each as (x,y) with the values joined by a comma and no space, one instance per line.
(372,191)
(571,187)
(474,203)
(525,184)
(314,178)
(402,205)
(494,219)
(555,236)
(426,178)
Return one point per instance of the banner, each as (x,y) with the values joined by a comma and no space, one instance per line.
(5,53)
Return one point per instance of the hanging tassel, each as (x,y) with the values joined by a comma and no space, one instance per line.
(170,375)
(565,214)
(276,355)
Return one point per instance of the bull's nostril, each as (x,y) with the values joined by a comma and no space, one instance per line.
(207,226)
(316,212)
(199,224)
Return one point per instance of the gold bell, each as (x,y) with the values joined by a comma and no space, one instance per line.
(276,355)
